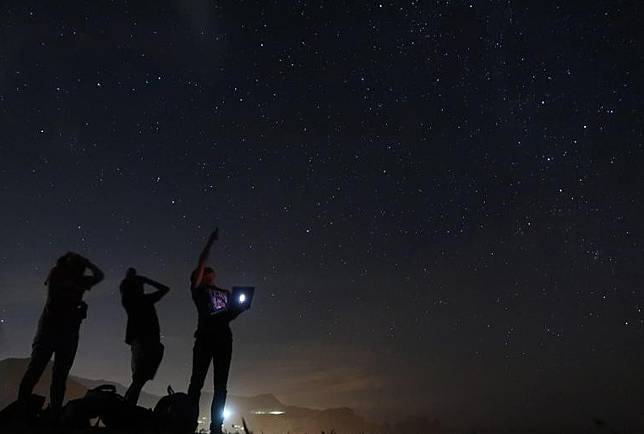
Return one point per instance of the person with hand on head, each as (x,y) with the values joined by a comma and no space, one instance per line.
(59,326)
(142,331)
(213,338)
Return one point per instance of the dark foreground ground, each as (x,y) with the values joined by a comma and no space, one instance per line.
(102,430)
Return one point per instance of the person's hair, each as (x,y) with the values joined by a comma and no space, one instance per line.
(206,270)
(68,266)
(131,272)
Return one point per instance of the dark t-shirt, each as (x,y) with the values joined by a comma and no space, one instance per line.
(142,319)
(210,299)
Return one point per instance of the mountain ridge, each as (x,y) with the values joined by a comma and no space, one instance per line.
(264,412)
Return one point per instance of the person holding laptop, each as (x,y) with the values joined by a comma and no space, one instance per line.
(213,337)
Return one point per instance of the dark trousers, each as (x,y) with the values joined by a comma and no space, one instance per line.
(216,348)
(146,357)
(62,343)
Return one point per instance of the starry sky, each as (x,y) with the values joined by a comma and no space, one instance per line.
(439,203)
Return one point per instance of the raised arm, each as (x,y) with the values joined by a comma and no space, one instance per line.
(97,274)
(159,293)
(203,258)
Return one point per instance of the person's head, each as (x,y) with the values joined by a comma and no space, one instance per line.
(68,266)
(130,273)
(208,278)
(72,263)
(132,284)
(209,275)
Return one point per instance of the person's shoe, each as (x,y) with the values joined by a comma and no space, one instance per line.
(26,410)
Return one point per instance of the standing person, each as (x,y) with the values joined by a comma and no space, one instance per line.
(59,326)
(142,331)
(213,338)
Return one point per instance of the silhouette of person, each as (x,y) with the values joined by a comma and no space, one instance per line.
(59,325)
(142,331)
(213,338)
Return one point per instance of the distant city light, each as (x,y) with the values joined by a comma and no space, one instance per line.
(271,412)
(242,298)
(227,413)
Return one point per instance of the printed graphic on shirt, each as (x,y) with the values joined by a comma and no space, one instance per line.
(218,301)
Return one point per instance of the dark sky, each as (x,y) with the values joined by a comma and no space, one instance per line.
(440,203)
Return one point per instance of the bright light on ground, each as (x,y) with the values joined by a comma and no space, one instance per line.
(227,413)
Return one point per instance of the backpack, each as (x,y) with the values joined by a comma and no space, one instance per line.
(76,414)
(20,412)
(111,408)
(103,402)
(175,413)
(100,402)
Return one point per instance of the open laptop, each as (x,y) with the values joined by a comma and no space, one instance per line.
(241,297)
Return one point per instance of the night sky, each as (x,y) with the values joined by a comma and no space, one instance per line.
(440,203)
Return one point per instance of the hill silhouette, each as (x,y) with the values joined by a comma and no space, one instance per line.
(264,413)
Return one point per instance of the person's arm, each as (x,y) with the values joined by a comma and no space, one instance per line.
(232,313)
(203,258)
(97,273)
(159,293)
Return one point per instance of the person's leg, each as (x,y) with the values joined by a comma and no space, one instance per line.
(134,391)
(221,367)
(41,352)
(138,380)
(157,350)
(66,346)
(201,357)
